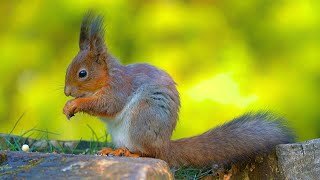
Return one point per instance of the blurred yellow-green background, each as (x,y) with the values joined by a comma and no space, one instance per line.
(228,57)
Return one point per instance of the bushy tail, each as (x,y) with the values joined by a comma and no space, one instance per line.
(236,141)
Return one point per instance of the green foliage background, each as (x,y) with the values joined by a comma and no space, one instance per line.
(228,57)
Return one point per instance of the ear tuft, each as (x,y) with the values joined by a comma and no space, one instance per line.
(85,30)
(97,33)
(92,32)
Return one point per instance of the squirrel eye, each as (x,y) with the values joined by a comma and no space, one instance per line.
(83,73)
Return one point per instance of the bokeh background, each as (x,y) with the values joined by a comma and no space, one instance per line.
(228,58)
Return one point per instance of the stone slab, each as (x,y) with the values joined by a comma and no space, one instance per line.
(22,165)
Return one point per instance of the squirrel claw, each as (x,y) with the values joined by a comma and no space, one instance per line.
(70,109)
(70,116)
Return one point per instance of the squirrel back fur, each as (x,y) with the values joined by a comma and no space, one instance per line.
(140,104)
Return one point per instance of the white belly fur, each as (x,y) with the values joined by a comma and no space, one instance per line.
(118,127)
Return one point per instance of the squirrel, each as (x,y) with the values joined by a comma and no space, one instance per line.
(140,105)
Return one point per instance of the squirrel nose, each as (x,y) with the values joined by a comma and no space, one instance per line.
(67,90)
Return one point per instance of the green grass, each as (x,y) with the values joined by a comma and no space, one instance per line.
(44,144)
(191,173)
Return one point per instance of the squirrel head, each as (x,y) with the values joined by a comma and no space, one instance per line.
(88,71)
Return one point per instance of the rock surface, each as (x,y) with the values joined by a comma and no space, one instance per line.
(288,161)
(300,160)
(20,165)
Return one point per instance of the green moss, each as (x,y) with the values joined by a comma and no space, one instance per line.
(3,158)
(5,167)
(33,162)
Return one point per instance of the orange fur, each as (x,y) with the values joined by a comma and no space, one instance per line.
(117,152)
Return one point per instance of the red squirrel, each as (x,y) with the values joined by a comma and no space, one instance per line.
(140,105)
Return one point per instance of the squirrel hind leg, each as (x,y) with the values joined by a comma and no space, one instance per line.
(155,114)
(117,152)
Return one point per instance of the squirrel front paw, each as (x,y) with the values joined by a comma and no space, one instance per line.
(70,108)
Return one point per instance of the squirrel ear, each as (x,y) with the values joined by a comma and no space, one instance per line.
(85,31)
(97,35)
